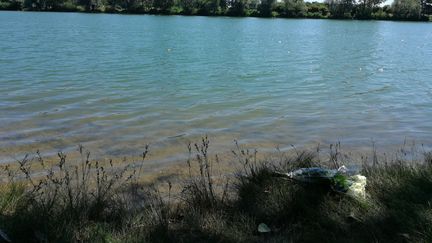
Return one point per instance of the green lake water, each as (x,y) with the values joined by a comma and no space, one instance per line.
(116,82)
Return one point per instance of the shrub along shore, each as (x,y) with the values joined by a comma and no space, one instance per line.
(89,201)
(417,10)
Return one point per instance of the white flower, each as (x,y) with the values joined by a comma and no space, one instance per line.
(358,187)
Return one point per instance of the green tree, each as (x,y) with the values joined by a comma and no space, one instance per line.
(223,4)
(407,9)
(384,12)
(163,5)
(237,7)
(188,6)
(340,8)
(208,7)
(294,8)
(265,7)
(365,8)
(11,4)
(426,7)
(317,10)
(43,4)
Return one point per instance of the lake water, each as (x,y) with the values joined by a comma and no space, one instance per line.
(116,82)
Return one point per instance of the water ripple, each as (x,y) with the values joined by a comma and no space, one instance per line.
(114,82)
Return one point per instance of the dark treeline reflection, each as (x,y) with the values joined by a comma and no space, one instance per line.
(340,9)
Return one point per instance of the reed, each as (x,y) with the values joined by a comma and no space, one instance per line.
(91,201)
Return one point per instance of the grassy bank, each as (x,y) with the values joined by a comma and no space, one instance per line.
(92,202)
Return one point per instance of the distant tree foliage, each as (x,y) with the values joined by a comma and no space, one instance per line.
(266,7)
(341,8)
(317,10)
(364,8)
(407,9)
(427,7)
(338,9)
(293,8)
(10,4)
(237,7)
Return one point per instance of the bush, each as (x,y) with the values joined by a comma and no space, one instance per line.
(65,201)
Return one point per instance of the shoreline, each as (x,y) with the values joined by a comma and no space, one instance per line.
(158,165)
(254,204)
(424,18)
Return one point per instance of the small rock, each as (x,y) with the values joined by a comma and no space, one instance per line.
(263,228)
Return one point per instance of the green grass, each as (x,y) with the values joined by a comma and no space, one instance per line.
(90,202)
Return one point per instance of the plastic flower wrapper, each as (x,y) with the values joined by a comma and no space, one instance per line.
(341,180)
(312,175)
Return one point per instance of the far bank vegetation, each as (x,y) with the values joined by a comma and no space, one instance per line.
(336,9)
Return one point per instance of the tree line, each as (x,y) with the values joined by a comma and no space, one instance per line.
(337,9)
